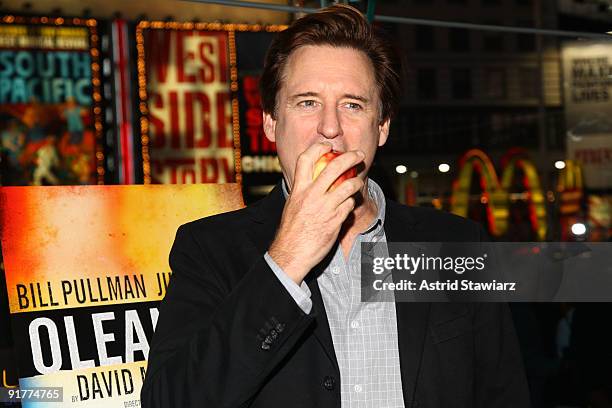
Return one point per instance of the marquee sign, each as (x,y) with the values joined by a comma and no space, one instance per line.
(587,73)
(50,113)
(260,165)
(188,90)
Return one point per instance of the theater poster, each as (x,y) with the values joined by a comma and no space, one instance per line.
(186,75)
(49,94)
(260,165)
(86,267)
(587,74)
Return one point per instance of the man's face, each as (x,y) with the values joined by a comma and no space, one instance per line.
(327,94)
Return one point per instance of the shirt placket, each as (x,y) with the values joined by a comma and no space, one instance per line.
(339,294)
(358,331)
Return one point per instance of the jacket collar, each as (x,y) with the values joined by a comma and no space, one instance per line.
(270,208)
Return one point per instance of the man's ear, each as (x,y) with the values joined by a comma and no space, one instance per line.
(269,126)
(383,132)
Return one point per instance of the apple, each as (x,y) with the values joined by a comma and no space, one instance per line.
(324,161)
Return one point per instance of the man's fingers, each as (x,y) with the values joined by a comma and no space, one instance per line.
(345,190)
(345,208)
(336,167)
(306,161)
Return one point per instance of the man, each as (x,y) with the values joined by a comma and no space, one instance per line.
(263,309)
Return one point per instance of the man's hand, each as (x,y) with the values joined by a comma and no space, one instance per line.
(313,215)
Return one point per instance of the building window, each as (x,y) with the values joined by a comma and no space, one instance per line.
(461,83)
(525,42)
(424,38)
(459,39)
(528,83)
(495,83)
(492,41)
(427,84)
(389,29)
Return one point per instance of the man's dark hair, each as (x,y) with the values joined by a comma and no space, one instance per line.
(336,26)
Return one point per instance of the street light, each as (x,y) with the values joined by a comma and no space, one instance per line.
(401,169)
(560,164)
(444,168)
(578,228)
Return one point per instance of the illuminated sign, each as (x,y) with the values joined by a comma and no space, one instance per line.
(495,194)
(50,114)
(188,89)
(496,198)
(188,104)
(587,73)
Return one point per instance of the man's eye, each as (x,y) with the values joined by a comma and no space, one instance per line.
(307,104)
(353,106)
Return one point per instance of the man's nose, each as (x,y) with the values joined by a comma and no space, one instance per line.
(329,122)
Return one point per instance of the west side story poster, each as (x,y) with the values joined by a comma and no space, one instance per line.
(185,85)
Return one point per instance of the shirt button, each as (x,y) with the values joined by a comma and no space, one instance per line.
(329,382)
(358,388)
(355,324)
(335,270)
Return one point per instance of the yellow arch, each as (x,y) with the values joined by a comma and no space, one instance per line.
(570,178)
(497,198)
(537,203)
(569,186)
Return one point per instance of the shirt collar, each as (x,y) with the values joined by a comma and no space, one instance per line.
(375,193)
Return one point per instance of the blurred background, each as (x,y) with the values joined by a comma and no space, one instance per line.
(506,119)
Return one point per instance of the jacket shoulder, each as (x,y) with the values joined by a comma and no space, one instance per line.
(230,222)
(444,225)
(214,241)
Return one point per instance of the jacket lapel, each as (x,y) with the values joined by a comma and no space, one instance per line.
(321,331)
(412,317)
(267,214)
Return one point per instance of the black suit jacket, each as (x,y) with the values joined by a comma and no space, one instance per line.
(230,335)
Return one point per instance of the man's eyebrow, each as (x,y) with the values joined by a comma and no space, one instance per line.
(348,96)
(357,97)
(302,95)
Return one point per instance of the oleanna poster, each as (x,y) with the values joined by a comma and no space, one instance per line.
(86,267)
